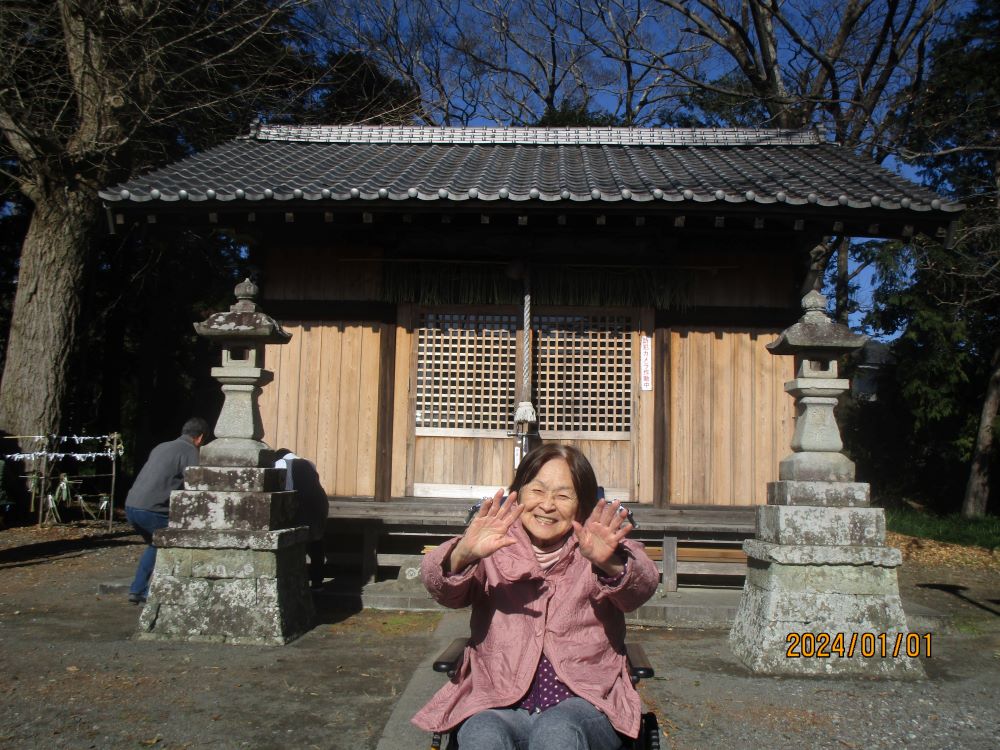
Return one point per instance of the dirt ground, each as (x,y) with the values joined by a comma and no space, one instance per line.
(72,677)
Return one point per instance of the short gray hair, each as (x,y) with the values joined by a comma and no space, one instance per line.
(194,427)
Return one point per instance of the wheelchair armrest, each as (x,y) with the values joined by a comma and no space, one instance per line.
(448,659)
(638,663)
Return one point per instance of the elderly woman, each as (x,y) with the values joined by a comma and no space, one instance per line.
(549,574)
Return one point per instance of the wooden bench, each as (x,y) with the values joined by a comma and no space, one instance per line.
(697,540)
(713,560)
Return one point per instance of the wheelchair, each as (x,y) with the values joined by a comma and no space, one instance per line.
(639,669)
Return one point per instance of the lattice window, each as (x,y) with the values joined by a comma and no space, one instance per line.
(583,373)
(466,374)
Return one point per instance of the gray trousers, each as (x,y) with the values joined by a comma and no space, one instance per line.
(574,724)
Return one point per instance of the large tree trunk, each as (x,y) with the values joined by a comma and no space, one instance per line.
(977,490)
(46,309)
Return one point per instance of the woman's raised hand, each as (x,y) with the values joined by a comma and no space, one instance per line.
(487,532)
(600,535)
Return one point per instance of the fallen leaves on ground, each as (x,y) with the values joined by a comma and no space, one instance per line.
(931,552)
(19,536)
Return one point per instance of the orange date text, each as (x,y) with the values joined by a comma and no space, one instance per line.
(848,645)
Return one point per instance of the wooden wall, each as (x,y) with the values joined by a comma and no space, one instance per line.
(323,401)
(462,461)
(317,273)
(730,420)
(744,279)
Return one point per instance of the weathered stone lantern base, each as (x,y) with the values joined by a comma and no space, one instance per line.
(822,569)
(231,565)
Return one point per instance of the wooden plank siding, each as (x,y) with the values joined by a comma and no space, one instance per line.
(730,419)
(465,461)
(323,401)
(613,463)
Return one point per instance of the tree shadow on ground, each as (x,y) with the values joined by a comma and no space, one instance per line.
(957,591)
(38,552)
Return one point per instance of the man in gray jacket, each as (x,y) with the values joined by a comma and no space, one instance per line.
(148,502)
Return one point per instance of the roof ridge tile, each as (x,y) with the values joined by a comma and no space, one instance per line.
(597,136)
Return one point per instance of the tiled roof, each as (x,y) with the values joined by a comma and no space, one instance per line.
(611,165)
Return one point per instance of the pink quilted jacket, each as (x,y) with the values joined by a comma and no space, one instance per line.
(517,610)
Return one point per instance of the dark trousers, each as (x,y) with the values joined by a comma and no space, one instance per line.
(317,561)
(145,522)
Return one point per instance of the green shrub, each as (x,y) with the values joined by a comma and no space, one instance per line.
(979,532)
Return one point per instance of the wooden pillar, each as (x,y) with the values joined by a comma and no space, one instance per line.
(661,412)
(386,401)
(369,553)
(669,563)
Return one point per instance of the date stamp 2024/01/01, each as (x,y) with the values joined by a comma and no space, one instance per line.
(868,645)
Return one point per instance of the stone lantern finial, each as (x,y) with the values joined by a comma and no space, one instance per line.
(241,333)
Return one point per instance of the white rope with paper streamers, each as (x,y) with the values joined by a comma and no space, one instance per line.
(112,442)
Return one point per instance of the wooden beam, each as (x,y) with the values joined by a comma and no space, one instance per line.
(321,310)
(758,317)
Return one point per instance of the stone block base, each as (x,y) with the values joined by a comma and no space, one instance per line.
(223,572)
(816,466)
(839,494)
(805,525)
(238,596)
(781,602)
(236,452)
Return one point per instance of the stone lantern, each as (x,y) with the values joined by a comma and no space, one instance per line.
(818,566)
(242,333)
(231,564)
(816,342)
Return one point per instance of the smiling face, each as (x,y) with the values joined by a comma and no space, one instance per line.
(550,503)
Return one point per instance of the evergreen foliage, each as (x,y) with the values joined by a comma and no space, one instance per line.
(942,301)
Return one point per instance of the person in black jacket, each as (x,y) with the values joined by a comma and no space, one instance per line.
(148,502)
(313,509)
